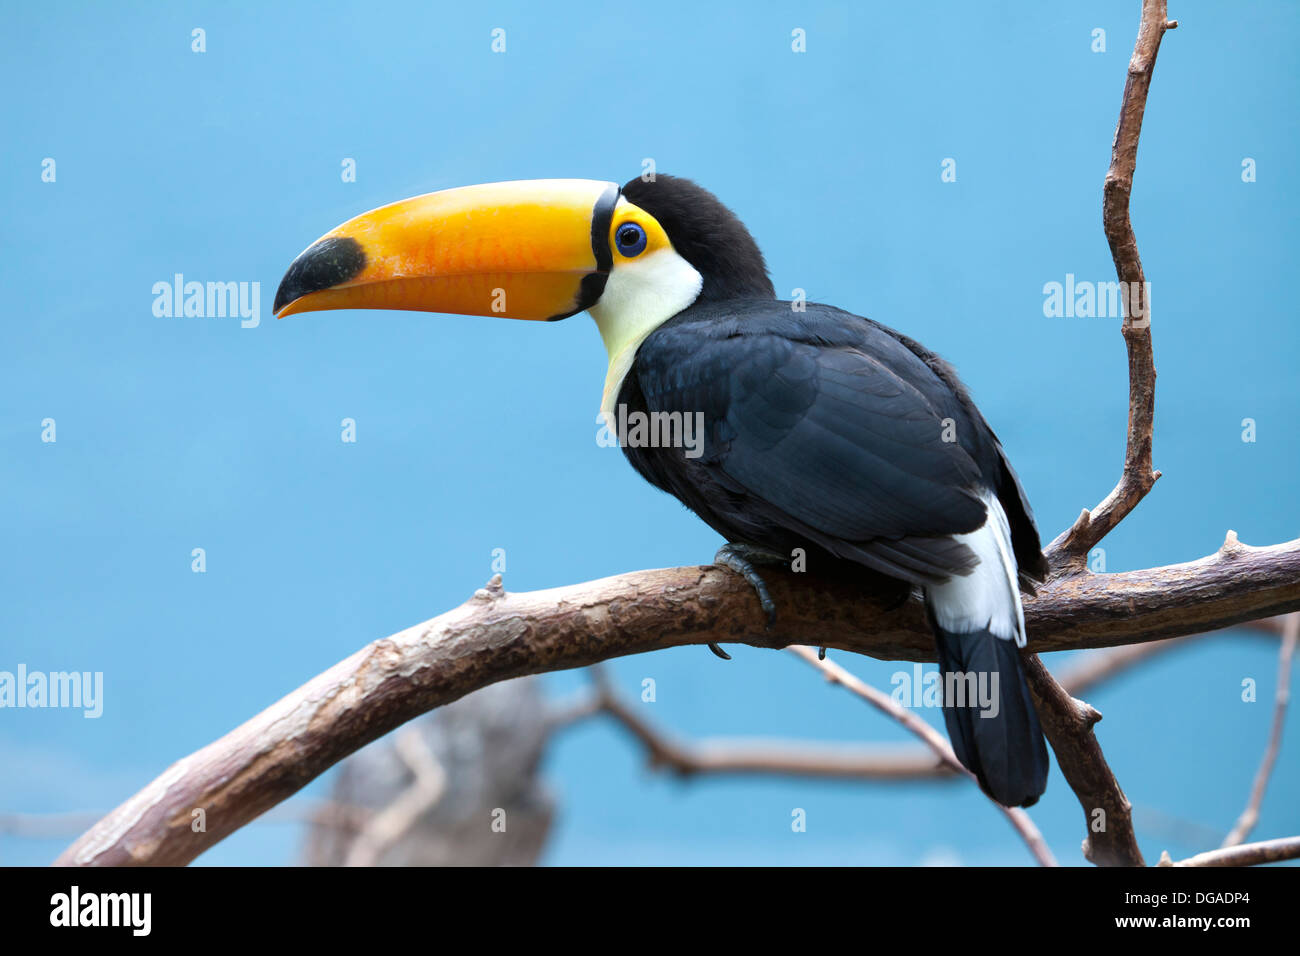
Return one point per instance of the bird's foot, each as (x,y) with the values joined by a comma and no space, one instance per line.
(741,558)
(900,595)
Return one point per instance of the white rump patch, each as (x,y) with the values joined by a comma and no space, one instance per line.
(990,595)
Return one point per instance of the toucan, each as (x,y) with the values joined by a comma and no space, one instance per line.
(823,433)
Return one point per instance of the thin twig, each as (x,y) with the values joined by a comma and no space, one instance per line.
(1020,820)
(767,757)
(388,824)
(1245,854)
(1160,824)
(1250,816)
(1071,547)
(1100,666)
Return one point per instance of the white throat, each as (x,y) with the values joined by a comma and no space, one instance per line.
(640,295)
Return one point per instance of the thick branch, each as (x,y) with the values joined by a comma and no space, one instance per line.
(717,756)
(1108,610)
(1068,724)
(496,636)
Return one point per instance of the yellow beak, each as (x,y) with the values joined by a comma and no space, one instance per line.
(535,249)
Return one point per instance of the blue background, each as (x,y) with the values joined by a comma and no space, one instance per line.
(478,433)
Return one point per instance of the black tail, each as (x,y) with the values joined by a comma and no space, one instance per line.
(1006,752)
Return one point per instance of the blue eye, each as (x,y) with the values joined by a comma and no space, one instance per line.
(630,239)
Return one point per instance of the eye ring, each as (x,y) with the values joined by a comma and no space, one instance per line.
(630,240)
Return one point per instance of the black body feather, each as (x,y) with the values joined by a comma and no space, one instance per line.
(825,431)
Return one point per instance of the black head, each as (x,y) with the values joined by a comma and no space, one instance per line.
(706,234)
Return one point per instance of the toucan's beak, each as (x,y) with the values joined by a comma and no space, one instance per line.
(536,249)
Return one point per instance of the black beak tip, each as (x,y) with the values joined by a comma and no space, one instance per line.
(283,297)
(328,263)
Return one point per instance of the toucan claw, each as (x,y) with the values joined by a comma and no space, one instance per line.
(740,558)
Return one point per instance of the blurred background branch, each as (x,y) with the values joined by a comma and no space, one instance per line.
(491,741)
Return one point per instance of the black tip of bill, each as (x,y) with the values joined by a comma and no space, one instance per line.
(322,266)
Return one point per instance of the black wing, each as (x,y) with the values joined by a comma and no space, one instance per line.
(821,425)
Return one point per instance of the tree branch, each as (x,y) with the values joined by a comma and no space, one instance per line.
(495,636)
(1101,666)
(836,674)
(1250,816)
(1138,476)
(804,758)
(741,756)
(387,825)
(768,757)
(1068,724)
(1246,854)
